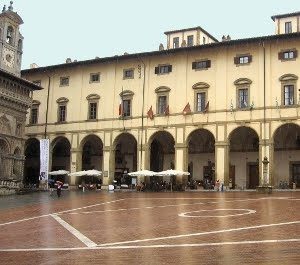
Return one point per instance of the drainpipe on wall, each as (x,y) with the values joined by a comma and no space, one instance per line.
(47,106)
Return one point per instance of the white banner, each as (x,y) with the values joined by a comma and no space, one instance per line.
(44,159)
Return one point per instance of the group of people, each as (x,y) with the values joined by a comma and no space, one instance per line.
(51,183)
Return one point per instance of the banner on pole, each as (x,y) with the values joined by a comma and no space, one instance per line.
(44,159)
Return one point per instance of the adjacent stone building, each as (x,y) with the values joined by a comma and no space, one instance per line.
(15,99)
(225,110)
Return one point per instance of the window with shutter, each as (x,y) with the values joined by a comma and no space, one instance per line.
(163,69)
(198,65)
(243,59)
(287,55)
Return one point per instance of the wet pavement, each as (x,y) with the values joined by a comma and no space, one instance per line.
(150,228)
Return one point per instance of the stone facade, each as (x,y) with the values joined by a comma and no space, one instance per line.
(15,99)
(217,110)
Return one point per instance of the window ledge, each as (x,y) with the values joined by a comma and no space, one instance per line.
(242,64)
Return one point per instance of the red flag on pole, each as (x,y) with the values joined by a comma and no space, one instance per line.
(167,110)
(187,109)
(150,113)
(206,107)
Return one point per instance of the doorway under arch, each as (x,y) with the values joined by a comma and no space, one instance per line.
(286,169)
(244,158)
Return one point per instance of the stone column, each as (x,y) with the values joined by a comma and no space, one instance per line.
(108,165)
(143,161)
(266,161)
(222,162)
(75,157)
(181,162)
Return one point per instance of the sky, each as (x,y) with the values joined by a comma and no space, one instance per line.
(54,30)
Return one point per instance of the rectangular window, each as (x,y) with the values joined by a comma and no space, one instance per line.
(94,78)
(287,55)
(176,42)
(163,69)
(244,59)
(162,104)
(126,107)
(288,95)
(201,98)
(62,113)
(37,82)
(34,116)
(190,40)
(128,74)
(64,81)
(288,27)
(201,64)
(93,111)
(243,98)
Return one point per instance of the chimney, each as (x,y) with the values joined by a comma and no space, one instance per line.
(161,47)
(68,60)
(33,65)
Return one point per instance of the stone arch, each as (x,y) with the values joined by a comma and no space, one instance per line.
(17,163)
(61,153)
(4,159)
(244,157)
(91,147)
(162,150)
(286,157)
(32,161)
(233,129)
(124,157)
(201,156)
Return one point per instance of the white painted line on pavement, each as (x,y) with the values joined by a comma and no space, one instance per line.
(291,240)
(89,243)
(47,215)
(199,234)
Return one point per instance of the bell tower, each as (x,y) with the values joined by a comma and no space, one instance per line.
(11,41)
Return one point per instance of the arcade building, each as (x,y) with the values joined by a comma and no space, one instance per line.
(226,110)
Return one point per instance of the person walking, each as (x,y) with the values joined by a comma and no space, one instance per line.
(59,187)
(51,185)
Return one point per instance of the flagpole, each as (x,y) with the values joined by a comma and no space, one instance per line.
(122,109)
(143,103)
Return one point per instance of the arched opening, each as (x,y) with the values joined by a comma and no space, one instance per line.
(287,156)
(201,157)
(162,154)
(125,158)
(9,35)
(244,158)
(32,161)
(17,163)
(4,160)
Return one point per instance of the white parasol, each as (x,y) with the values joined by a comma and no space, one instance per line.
(92,172)
(58,172)
(172,172)
(142,173)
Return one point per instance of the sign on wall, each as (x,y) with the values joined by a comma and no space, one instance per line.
(44,159)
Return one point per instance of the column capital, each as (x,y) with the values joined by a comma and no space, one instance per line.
(180,146)
(222,143)
(144,147)
(75,150)
(267,142)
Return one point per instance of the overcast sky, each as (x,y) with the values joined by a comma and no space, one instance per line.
(54,30)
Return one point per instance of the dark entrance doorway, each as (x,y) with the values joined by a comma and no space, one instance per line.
(253,176)
(32,161)
(296,174)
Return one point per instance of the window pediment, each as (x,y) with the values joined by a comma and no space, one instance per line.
(126,93)
(36,102)
(201,85)
(162,89)
(62,100)
(93,97)
(288,77)
(242,81)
